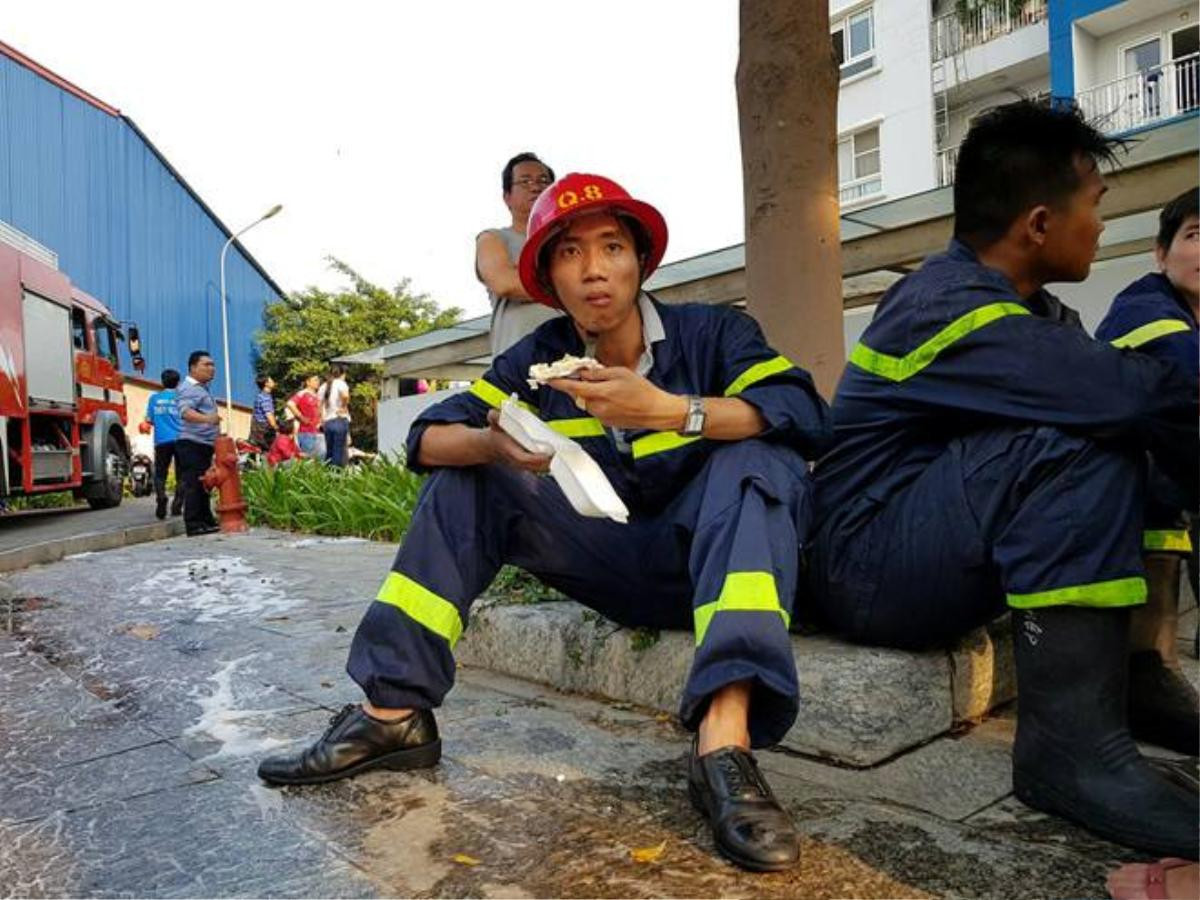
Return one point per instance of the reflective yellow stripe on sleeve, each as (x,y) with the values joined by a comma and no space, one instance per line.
(1118,592)
(741,592)
(901,368)
(418,602)
(758,372)
(1174,540)
(577,428)
(492,395)
(1150,331)
(659,442)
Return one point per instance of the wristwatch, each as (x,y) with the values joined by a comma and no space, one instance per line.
(693,423)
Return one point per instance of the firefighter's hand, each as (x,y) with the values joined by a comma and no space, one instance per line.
(503,449)
(621,398)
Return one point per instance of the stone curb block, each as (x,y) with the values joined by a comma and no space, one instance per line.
(859,705)
(52,551)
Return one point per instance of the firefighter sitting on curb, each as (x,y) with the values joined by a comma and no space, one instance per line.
(703,431)
(1156,315)
(989,452)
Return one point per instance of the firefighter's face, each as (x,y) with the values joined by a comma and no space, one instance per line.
(1073,227)
(1181,261)
(595,272)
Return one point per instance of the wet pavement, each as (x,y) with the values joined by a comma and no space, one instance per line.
(140,687)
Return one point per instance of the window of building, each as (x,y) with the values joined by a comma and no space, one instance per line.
(78,328)
(859,170)
(854,42)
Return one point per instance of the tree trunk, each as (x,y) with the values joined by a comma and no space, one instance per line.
(787,89)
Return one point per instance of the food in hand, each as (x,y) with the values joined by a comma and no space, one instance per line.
(567,367)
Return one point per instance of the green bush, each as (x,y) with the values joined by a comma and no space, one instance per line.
(374,500)
(55,500)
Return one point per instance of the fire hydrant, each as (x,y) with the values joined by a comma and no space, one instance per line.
(223,474)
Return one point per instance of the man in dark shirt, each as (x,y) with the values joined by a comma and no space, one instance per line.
(702,430)
(989,452)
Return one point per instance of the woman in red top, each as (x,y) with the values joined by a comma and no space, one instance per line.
(283,447)
(307,410)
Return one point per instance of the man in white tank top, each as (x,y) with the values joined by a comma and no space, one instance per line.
(514,314)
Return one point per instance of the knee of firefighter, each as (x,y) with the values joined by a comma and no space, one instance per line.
(778,470)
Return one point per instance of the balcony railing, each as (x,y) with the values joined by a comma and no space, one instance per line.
(860,189)
(945,161)
(1144,98)
(953,34)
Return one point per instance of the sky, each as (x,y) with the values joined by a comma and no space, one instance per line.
(382,127)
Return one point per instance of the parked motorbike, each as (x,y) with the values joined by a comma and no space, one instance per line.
(141,463)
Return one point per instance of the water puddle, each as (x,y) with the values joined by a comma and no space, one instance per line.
(239,731)
(217,588)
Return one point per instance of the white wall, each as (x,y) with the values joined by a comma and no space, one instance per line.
(960,116)
(1105,53)
(896,94)
(396,415)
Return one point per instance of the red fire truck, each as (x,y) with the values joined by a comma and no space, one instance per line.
(62,400)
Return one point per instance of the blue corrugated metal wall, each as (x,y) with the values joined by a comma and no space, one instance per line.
(86,185)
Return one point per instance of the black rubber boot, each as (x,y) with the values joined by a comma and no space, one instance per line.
(1163,706)
(1074,756)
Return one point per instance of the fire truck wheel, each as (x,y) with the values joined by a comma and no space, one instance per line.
(106,491)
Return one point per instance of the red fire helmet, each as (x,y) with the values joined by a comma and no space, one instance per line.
(577,195)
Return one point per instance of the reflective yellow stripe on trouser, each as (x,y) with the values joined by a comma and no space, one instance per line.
(1174,540)
(1118,592)
(741,592)
(423,605)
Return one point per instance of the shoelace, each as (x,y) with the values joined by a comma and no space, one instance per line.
(338,718)
(740,773)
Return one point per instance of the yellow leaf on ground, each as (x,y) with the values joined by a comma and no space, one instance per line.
(648,854)
(463,860)
(142,632)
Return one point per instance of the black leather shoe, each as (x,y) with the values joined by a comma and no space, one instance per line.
(353,743)
(160,508)
(176,507)
(749,826)
(203,529)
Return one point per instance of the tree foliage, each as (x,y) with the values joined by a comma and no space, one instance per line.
(302,334)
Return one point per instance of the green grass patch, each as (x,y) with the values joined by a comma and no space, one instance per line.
(373,501)
(54,500)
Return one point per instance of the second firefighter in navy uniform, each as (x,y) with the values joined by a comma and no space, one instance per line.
(990,453)
(1156,316)
(704,432)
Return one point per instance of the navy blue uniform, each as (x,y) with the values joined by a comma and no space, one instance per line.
(987,450)
(712,543)
(1151,317)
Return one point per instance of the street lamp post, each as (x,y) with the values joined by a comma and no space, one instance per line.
(274,210)
(223,474)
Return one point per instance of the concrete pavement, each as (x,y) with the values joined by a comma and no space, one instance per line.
(32,537)
(141,686)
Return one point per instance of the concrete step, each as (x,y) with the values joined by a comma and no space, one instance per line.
(858,705)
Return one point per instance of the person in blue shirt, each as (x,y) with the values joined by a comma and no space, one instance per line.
(1156,315)
(703,431)
(990,454)
(162,413)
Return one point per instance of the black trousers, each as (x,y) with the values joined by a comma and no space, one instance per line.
(191,461)
(164,454)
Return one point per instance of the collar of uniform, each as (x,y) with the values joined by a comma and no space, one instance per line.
(190,380)
(652,332)
(1164,284)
